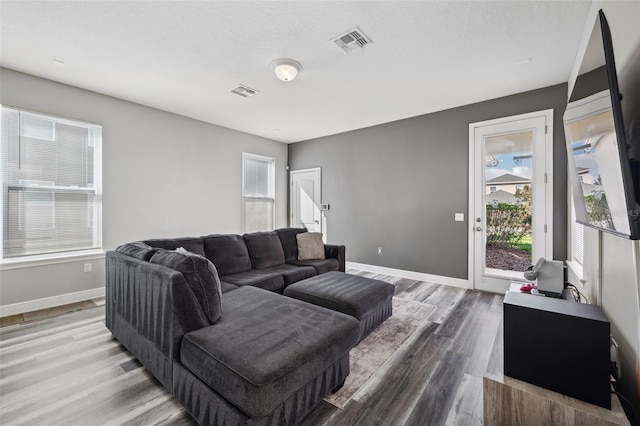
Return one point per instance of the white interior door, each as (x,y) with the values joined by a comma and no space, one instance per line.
(305,199)
(510,198)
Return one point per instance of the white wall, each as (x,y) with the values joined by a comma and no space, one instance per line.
(620,282)
(164,175)
(610,264)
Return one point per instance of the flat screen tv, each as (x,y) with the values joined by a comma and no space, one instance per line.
(603,178)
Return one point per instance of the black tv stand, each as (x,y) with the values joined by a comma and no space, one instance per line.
(559,345)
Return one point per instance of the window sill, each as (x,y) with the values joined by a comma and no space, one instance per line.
(51,259)
(576,270)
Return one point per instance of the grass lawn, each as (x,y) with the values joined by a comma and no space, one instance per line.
(525,243)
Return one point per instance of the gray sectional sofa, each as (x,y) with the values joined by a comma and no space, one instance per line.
(205,317)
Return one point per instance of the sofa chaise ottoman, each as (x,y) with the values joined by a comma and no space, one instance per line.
(269,353)
(366,299)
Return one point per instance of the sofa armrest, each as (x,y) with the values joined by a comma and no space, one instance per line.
(149,308)
(336,252)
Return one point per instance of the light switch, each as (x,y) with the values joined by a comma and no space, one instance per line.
(459,217)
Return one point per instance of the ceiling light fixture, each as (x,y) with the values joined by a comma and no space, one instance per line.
(286,69)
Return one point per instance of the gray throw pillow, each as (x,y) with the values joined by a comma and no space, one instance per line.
(310,246)
(201,276)
(138,249)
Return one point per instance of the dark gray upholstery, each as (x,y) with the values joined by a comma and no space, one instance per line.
(194,245)
(201,276)
(354,295)
(265,249)
(225,286)
(208,407)
(137,249)
(322,266)
(292,274)
(289,242)
(258,278)
(228,252)
(305,349)
(258,370)
(336,252)
(141,302)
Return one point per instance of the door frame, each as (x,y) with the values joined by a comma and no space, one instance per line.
(312,169)
(548,169)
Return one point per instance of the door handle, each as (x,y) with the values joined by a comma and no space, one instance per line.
(478,229)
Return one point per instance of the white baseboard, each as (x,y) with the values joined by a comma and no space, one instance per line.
(50,302)
(419,276)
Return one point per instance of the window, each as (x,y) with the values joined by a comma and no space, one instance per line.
(577,238)
(258,194)
(492,189)
(51,185)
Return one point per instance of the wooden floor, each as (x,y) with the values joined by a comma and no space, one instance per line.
(68,370)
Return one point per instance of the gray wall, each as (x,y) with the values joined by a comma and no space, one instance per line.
(398,185)
(164,175)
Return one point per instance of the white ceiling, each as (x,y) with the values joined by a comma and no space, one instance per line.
(185,57)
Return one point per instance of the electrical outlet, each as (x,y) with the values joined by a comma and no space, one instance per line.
(379,250)
(87,267)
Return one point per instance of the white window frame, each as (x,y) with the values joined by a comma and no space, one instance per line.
(271,187)
(62,256)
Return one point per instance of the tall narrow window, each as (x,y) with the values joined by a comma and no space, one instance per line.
(51,185)
(577,238)
(258,194)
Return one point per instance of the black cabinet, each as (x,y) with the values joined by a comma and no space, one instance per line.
(559,345)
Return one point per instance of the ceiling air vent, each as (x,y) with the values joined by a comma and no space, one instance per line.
(353,39)
(244,91)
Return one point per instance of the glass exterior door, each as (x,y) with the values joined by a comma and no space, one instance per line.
(509,201)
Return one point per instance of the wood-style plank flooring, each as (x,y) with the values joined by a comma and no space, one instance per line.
(68,370)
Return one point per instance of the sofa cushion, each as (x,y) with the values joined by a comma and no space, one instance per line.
(322,266)
(228,252)
(201,276)
(266,347)
(225,286)
(194,245)
(292,274)
(272,281)
(138,249)
(289,242)
(265,249)
(310,246)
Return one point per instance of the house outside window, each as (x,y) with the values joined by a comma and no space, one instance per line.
(51,185)
(258,193)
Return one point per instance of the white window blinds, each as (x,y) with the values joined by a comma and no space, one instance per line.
(51,188)
(257,193)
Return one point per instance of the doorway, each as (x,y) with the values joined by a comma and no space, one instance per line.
(305,199)
(510,198)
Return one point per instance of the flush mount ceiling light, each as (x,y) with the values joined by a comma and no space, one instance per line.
(286,69)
